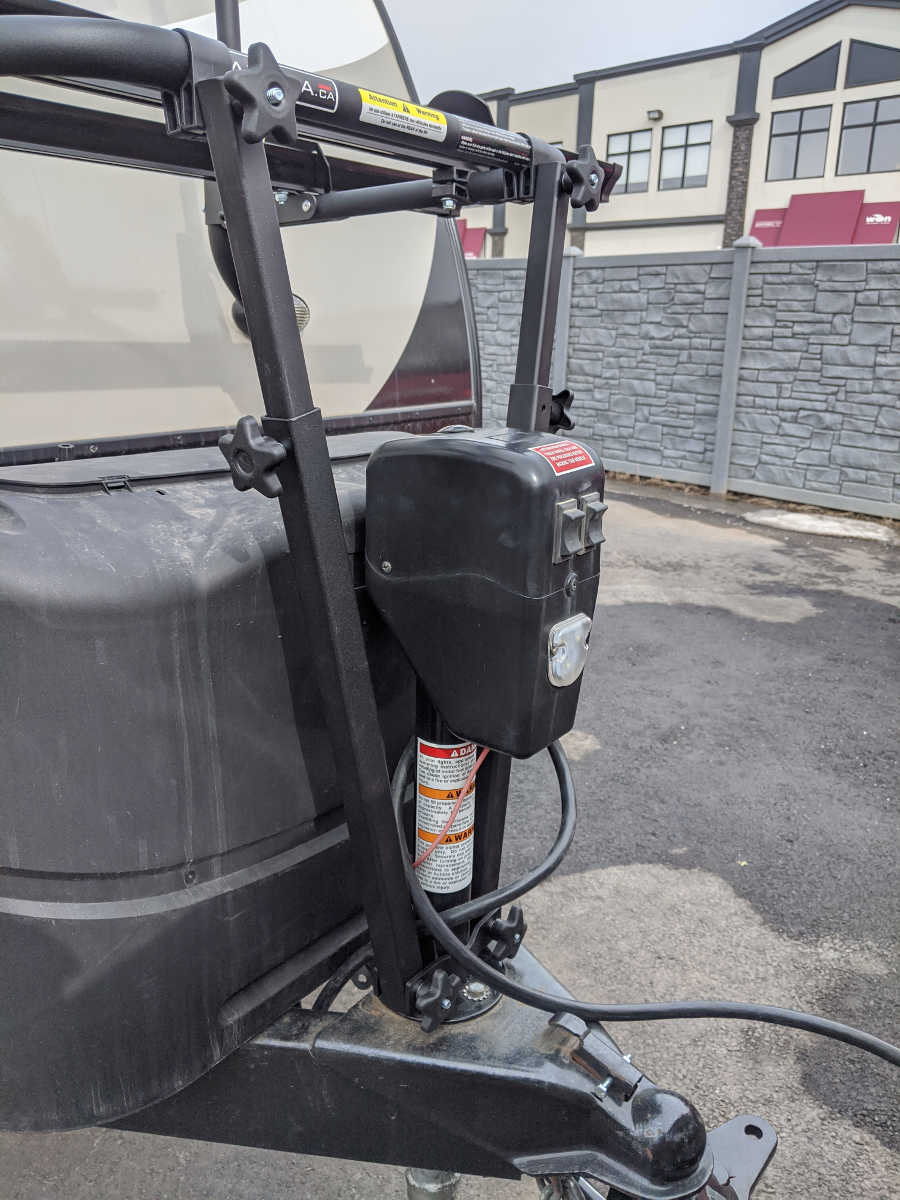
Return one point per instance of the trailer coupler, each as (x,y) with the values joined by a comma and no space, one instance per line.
(505,1094)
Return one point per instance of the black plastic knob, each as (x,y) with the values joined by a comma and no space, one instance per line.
(267,96)
(559,411)
(507,934)
(588,181)
(253,457)
(436,997)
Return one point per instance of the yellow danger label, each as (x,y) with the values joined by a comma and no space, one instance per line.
(402,116)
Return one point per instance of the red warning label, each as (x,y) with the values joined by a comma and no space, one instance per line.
(460,750)
(564,457)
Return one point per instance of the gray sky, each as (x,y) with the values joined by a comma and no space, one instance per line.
(479,45)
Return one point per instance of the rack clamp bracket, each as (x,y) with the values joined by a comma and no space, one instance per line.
(264,90)
(209,59)
(450,190)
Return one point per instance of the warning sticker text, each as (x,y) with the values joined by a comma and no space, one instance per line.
(442,771)
(566,456)
(402,116)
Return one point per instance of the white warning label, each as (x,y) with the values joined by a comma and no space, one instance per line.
(402,116)
(440,776)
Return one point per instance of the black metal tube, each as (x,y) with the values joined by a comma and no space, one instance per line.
(220,248)
(362,117)
(92,48)
(406,196)
(383,198)
(548,238)
(228,23)
(125,52)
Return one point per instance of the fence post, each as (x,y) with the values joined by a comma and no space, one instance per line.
(559,363)
(731,362)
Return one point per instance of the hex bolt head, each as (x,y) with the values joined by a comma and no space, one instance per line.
(445,1003)
(306,206)
(386,567)
(448,203)
(275,94)
(281,196)
(593,179)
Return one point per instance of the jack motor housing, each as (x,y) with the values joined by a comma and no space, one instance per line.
(483,555)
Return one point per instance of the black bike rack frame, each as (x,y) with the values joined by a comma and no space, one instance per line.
(505,1093)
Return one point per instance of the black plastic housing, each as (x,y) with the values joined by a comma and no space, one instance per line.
(462,529)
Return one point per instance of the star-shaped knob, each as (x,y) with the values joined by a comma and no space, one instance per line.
(253,458)
(267,96)
(559,411)
(588,181)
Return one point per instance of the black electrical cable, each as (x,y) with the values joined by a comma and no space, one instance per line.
(547,1002)
(472,909)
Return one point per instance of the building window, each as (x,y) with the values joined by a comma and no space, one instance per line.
(870,137)
(632,150)
(685,155)
(816,74)
(798,142)
(869,63)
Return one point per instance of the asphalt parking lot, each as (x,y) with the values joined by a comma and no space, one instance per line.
(736,758)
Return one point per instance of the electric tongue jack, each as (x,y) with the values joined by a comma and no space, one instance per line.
(454,640)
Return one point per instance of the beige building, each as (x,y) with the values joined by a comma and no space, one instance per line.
(792,133)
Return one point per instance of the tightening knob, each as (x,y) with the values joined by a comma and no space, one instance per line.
(267,97)
(506,934)
(559,411)
(253,458)
(588,181)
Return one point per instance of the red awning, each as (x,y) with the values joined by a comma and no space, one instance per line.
(767,223)
(827,219)
(472,239)
(877,224)
(821,219)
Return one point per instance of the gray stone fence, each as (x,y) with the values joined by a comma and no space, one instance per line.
(769,372)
